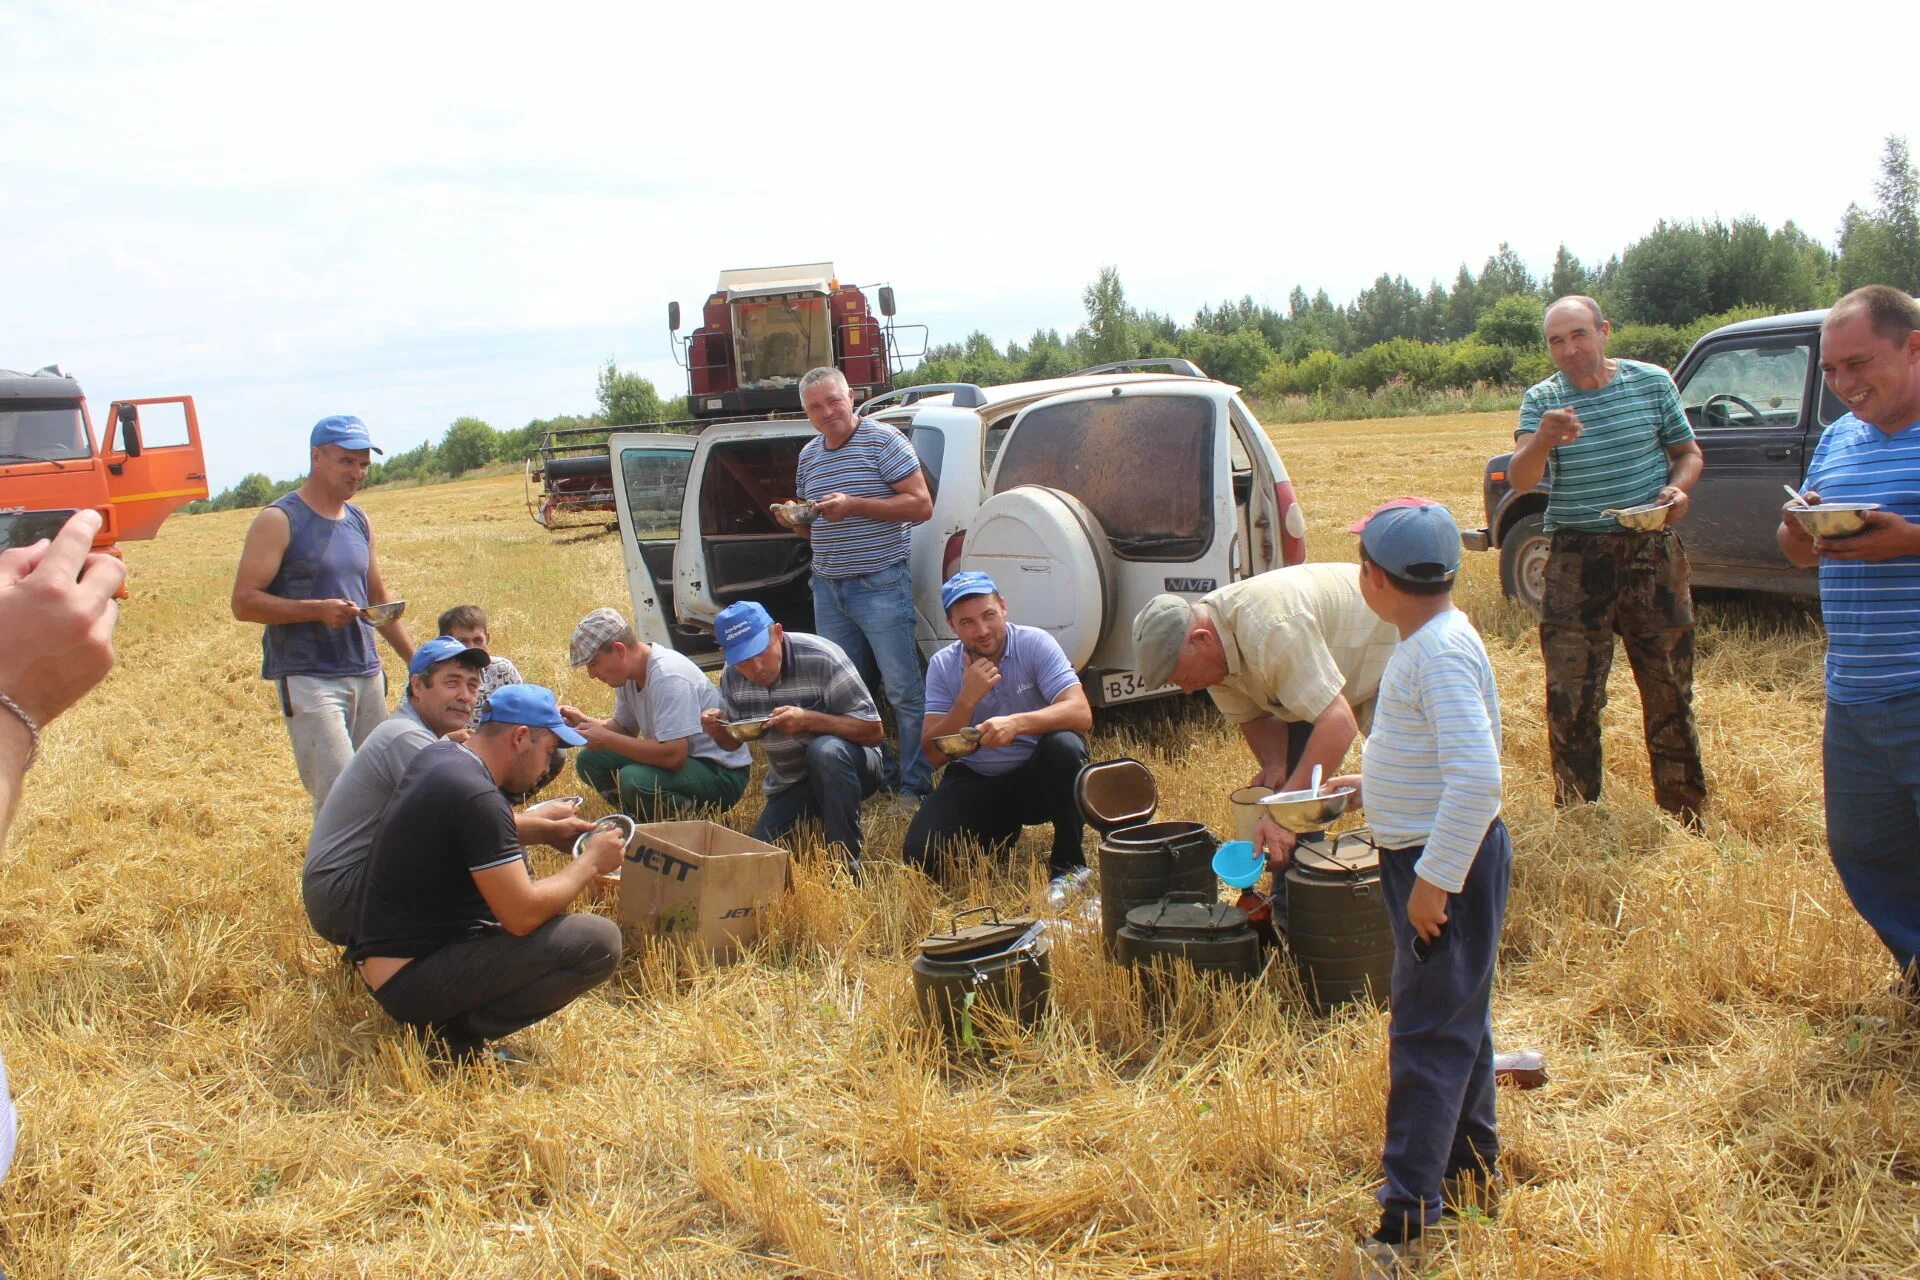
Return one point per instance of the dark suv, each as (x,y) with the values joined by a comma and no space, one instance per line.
(1754,395)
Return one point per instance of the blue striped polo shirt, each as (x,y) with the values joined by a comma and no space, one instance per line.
(1872,610)
(1430,770)
(873,460)
(1620,459)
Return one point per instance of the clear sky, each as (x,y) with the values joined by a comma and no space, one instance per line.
(416,212)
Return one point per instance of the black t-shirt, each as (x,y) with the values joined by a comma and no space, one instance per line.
(447,821)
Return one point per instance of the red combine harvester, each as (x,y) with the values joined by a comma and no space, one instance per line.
(761,329)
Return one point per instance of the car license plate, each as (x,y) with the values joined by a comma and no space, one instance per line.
(1124,686)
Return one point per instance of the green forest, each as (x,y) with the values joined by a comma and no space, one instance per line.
(1394,349)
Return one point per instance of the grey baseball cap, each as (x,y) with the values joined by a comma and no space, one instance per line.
(1159,632)
(594,630)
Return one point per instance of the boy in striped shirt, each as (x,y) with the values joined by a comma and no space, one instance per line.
(1870,602)
(1430,782)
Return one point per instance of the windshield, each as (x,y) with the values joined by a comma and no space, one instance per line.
(779,339)
(34,430)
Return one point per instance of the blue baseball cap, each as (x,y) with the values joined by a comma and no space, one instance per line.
(531,705)
(743,630)
(1412,538)
(445,649)
(968,582)
(344,430)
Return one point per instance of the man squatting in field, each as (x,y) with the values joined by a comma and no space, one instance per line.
(1293,656)
(1611,434)
(307,571)
(443,689)
(1016,686)
(1870,602)
(871,491)
(823,732)
(57,611)
(1430,783)
(455,937)
(651,758)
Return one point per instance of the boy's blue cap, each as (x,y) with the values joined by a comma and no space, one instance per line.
(442,649)
(743,630)
(968,582)
(532,705)
(344,430)
(1412,538)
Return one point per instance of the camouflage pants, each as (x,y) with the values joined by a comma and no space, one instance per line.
(1634,585)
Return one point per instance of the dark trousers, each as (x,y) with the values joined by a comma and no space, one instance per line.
(993,809)
(1440,1117)
(839,776)
(491,986)
(1872,758)
(1636,586)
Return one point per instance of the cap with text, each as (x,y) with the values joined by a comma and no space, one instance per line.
(743,630)
(968,582)
(446,649)
(344,430)
(531,705)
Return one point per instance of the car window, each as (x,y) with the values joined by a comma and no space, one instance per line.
(742,479)
(1143,464)
(1832,408)
(930,446)
(995,436)
(50,431)
(656,479)
(1752,383)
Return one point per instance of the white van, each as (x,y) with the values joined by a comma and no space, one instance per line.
(1082,496)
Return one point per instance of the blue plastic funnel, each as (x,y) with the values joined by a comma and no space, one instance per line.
(1238,864)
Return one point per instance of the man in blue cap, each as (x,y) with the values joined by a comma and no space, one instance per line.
(823,732)
(455,937)
(1018,689)
(308,572)
(443,688)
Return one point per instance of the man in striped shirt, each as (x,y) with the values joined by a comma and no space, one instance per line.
(1870,601)
(869,491)
(1611,434)
(1430,782)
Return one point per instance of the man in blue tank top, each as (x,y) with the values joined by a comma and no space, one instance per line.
(308,573)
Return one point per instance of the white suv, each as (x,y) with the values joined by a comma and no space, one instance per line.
(1082,496)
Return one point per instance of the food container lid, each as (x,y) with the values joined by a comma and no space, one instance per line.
(1349,853)
(1116,793)
(1175,917)
(985,937)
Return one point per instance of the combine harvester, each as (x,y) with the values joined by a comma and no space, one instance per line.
(146,464)
(761,329)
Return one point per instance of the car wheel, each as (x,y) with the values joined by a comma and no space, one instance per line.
(1523,561)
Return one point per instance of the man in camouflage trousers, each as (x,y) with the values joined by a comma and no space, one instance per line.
(1613,435)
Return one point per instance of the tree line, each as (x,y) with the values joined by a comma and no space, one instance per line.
(1394,348)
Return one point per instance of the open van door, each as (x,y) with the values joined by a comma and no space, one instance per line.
(731,548)
(154,462)
(650,485)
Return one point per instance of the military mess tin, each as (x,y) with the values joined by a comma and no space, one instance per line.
(1337,926)
(1139,861)
(994,962)
(1196,928)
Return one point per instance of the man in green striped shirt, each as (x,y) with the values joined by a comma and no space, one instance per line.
(1611,434)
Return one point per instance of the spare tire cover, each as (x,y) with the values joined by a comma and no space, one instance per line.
(1049,556)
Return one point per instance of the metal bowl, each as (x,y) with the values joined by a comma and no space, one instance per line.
(796,512)
(1645,518)
(1300,811)
(620,822)
(963,743)
(381,614)
(746,730)
(1832,519)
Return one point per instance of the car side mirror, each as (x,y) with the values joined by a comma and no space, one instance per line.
(673,317)
(130,430)
(886,300)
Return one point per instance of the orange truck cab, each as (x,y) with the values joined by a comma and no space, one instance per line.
(143,463)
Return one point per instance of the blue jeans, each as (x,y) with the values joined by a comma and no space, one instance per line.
(839,776)
(1440,1040)
(1871,754)
(871,617)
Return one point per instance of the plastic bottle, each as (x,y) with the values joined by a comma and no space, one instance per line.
(1064,891)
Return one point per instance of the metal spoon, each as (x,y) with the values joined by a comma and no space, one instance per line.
(1316,781)
(1796,495)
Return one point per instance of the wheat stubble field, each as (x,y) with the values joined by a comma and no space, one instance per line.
(206,1094)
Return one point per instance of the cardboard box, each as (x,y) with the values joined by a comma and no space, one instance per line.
(699,882)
